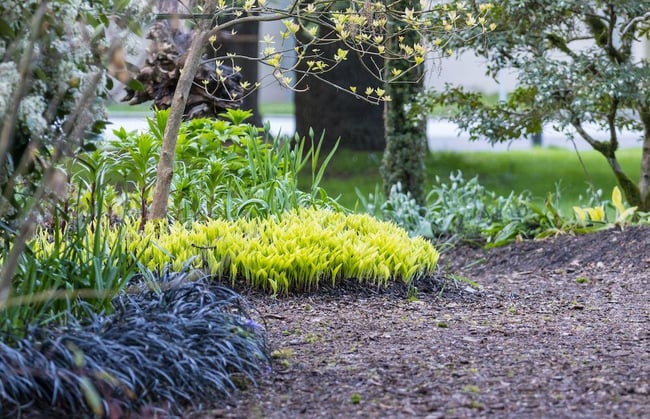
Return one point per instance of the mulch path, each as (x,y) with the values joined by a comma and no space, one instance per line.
(558,328)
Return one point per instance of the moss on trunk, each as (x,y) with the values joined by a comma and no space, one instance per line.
(406,140)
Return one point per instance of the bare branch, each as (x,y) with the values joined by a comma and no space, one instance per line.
(632,23)
(597,145)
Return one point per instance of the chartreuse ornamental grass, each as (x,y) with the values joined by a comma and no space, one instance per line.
(295,251)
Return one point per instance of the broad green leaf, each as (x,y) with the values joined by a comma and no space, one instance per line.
(6,31)
(133,84)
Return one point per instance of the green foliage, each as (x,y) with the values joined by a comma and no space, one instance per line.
(399,208)
(182,346)
(466,210)
(52,82)
(131,162)
(78,267)
(575,70)
(461,210)
(598,215)
(581,83)
(298,250)
(536,170)
(224,169)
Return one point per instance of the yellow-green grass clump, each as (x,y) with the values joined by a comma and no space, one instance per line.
(296,251)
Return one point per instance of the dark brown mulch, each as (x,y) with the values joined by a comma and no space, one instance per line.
(559,328)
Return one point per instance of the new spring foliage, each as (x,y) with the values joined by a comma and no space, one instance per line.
(296,251)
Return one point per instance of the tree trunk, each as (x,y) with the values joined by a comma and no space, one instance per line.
(630,189)
(244,43)
(168,151)
(644,178)
(323,107)
(406,137)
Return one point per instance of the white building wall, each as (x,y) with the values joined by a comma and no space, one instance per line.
(466,70)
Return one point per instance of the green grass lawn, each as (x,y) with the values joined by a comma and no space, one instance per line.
(125,108)
(536,170)
(276,108)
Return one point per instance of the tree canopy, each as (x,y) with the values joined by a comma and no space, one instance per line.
(576,70)
(382,33)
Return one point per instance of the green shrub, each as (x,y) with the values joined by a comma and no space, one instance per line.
(76,268)
(399,208)
(223,169)
(465,210)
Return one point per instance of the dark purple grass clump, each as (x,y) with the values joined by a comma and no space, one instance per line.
(190,345)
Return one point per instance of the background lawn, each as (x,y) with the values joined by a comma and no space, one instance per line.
(536,170)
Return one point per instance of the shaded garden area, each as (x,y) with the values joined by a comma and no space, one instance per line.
(551,331)
(203,267)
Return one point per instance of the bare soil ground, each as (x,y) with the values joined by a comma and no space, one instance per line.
(558,328)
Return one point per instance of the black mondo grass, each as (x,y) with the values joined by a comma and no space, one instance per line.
(190,345)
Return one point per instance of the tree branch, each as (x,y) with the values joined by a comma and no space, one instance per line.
(632,23)
(595,144)
(611,121)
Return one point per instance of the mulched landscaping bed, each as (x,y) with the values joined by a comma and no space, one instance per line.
(559,328)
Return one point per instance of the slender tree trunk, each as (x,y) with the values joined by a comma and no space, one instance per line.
(406,137)
(165,168)
(630,189)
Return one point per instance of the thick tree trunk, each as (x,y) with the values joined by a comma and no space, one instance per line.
(406,137)
(323,107)
(244,43)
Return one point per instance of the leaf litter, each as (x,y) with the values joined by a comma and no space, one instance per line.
(558,328)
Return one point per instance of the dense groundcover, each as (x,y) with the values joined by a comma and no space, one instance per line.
(188,344)
(558,328)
